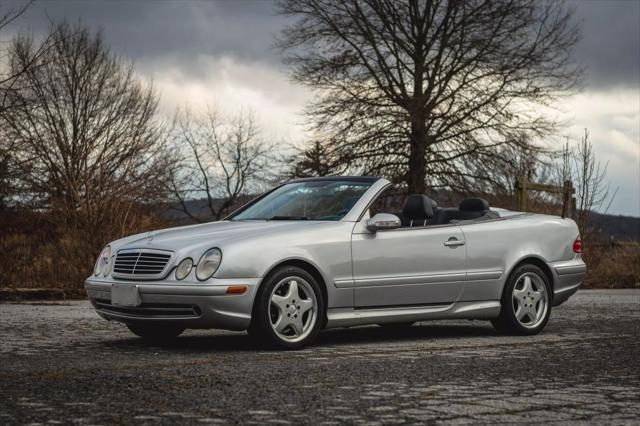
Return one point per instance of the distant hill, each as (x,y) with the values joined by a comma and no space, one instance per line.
(618,227)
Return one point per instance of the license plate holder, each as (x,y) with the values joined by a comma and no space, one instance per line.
(126,295)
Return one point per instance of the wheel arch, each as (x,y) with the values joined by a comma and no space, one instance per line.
(540,263)
(309,267)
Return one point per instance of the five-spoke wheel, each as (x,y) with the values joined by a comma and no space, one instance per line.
(530,300)
(526,302)
(288,309)
(293,310)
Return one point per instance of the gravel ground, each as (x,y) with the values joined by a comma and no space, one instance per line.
(61,363)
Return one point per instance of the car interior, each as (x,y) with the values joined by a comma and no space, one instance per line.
(419,210)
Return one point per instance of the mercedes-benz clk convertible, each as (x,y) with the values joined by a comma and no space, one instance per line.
(337,252)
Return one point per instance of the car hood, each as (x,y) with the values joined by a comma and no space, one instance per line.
(214,233)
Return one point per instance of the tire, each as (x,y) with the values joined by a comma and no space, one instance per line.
(156,333)
(526,302)
(288,310)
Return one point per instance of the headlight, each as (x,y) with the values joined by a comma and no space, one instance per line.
(184,268)
(109,267)
(102,261)
(208,264)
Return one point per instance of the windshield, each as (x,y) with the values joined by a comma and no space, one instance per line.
(313,200)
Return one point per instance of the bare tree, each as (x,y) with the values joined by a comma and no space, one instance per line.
(314,160)
(86,138)
(224,160)
(9,75)
(593,191)
(424,91)
(7,17)
(7,80)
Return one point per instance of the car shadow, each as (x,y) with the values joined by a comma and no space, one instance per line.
(420,331)
(370,334)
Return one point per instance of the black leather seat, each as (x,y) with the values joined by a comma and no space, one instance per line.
(472,208)
(469,209)
(417,210)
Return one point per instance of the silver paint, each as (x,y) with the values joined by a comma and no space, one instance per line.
(389,275)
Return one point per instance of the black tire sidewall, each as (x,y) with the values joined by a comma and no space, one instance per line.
(261,322)
(508,321)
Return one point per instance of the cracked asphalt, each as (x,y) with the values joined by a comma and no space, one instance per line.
(60,364)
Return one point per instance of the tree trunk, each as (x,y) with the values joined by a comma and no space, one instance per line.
(417,160)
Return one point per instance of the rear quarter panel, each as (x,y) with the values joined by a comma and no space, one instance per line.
(494,248)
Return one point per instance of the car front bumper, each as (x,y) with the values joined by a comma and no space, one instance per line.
(190,305)
(569,276)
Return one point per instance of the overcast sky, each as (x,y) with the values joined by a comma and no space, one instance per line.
(221,52)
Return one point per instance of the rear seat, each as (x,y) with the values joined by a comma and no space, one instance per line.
(469,209)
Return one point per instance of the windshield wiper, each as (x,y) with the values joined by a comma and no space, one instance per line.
(288,218)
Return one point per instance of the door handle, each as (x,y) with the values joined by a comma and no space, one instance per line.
(454,242)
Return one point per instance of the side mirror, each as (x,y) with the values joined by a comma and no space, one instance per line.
(383,221)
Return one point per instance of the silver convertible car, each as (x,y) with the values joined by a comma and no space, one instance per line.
(337,252)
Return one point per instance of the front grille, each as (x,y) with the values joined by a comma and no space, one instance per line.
(136,263)
(150,310)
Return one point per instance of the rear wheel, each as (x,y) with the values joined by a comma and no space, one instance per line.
(156,333)
(526,302)
(288,309)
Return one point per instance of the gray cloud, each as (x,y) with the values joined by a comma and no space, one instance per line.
(204,51)
(143,30)
(610,48)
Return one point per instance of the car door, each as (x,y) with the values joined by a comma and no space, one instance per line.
(408,266)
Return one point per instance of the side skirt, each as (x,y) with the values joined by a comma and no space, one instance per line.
(346,317)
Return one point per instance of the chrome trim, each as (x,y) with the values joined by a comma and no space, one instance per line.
(143,277)
(483,275)
(571,269)
(344,283)
(411,279)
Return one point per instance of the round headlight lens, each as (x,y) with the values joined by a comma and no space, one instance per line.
(208,264)
(102,261)
(184,268)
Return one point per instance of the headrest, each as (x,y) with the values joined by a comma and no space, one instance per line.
(418,207)
(473,205)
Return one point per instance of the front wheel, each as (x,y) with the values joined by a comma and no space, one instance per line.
(288,309)
(156,332)
(526,302)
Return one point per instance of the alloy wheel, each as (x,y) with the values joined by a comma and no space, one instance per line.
(530,300)
(293,309)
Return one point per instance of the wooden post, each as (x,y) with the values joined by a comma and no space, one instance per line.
(569,200)
(523,186)
(521,192)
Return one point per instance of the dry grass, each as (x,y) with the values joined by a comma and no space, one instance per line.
(40,252)
(613,265)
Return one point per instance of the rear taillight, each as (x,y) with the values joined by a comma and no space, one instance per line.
(577,246)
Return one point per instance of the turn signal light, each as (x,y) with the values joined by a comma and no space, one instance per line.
(577,246)
(236,289)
